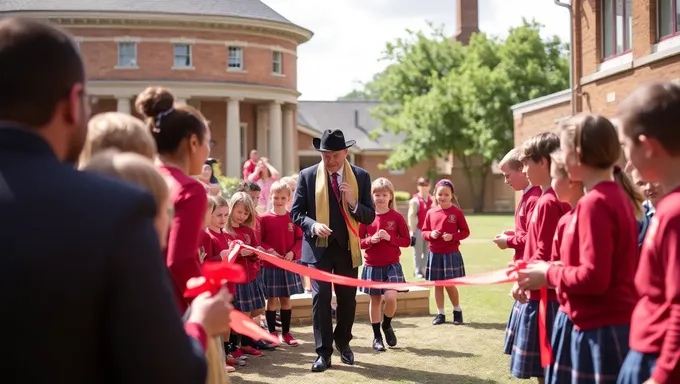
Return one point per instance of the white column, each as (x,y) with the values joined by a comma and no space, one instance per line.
(180,101)
(276,135)
(288,140)
(261,131)
(233,136)
(123,104)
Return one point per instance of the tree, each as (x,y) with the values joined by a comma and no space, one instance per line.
(445,98)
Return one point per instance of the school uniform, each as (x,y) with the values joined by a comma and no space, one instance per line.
(595,285)
(525,359)
(444,260)
(280,234)
(247,296)
(655,324)
(643,224)
(213,243)
(381,260)
(517,241)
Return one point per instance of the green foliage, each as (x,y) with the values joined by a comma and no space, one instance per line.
(402,196)
(228,186)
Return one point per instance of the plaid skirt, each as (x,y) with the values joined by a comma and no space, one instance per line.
(511,328)
(525,359)
(444,266)
(249,296)
(586,357)
(392,273)
(280,283)
(637,368)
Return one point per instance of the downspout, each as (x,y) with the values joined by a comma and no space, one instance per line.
(571,54)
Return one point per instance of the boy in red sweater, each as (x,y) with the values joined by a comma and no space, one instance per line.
(284,239)
(525,359)
(649,133)
(513,172)
(382,240)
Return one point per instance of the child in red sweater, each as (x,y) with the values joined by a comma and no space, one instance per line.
(525,359)
(444,228)
(599,257)
(649,132)
(215,244)
(382,240)
(284,239)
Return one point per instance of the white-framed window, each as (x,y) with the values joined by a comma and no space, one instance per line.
(182,56)
(235,58)
(277,62)
(244,142)
(617,27)
(668,12)
(127,55)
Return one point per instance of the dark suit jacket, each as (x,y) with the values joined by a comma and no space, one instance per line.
(85,294)
(303,211)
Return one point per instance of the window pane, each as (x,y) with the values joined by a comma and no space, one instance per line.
(619,27)
(607,28)
(665,17)
(181,50)
(629,25)
(182,55)
(677,16)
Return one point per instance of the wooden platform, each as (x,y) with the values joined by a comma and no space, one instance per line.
(415,302)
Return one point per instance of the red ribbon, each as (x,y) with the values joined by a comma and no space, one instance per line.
(344,214)
(544,343)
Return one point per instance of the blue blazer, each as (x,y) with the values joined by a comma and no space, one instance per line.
(303,211)
(82,279)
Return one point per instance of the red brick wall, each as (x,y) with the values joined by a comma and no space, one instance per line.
(532,123)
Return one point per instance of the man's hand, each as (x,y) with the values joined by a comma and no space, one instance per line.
(348,194)
(321,230)
(212,313)
(435,234)
(289,256)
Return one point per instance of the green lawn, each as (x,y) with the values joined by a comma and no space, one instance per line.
(425,354)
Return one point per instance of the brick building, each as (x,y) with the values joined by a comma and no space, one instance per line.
(618,45)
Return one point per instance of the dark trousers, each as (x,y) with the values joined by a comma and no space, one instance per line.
(338,260)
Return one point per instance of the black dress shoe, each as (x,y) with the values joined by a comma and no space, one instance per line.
(439,319)
(390,337)
(321,364)
(457,317)
(346,355)
(264,345)
(378,345)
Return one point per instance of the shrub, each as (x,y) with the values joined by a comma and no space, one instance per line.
(402,196)
(228,186)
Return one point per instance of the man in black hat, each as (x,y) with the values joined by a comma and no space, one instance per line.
(331,199)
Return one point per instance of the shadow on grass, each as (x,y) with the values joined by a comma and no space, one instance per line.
(492,326)
(393,373)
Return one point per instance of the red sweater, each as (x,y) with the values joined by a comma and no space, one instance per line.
(541,232)
(214,243)
(251,264)
(655,327)
(557,250)
(600,256)
(524,210)
(280,234)
(190,203)
(384,253)
(450,220)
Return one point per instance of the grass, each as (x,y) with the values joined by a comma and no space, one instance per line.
(468,354)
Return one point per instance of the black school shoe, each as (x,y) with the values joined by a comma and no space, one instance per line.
(378,345)
(264,345)
(457,317)
(439,319)
(390,337)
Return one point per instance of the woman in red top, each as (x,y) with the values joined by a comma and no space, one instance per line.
(599,256)
(183,140)
(444,228)
(649,132)
(382,240)
(284,239)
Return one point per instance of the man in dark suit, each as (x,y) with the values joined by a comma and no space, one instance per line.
(328,246)
(85,292)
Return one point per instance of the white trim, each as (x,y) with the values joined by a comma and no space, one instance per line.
(616,62)
(296,34)
(541,102)
(661,50)
(191,89)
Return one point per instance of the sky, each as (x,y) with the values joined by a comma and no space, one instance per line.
(350,35)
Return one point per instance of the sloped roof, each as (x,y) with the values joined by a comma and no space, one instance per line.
(352,117)
(251,9)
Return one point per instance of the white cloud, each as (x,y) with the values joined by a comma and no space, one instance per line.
(349,35)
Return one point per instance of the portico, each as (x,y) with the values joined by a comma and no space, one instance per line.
(241,117)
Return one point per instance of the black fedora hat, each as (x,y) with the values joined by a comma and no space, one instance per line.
(331,141)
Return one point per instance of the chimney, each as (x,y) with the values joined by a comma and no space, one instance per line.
(468,20)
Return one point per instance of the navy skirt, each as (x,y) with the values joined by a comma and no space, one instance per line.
(389,274)
(637,368)
(511,328)
(280,283)
(249,296)
(525,359)
(586,357)
(444,266)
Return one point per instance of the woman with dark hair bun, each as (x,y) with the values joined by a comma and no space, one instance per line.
(183,140)
(209,178)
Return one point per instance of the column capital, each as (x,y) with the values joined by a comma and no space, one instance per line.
(279,102)
(123,97)
(234,99)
